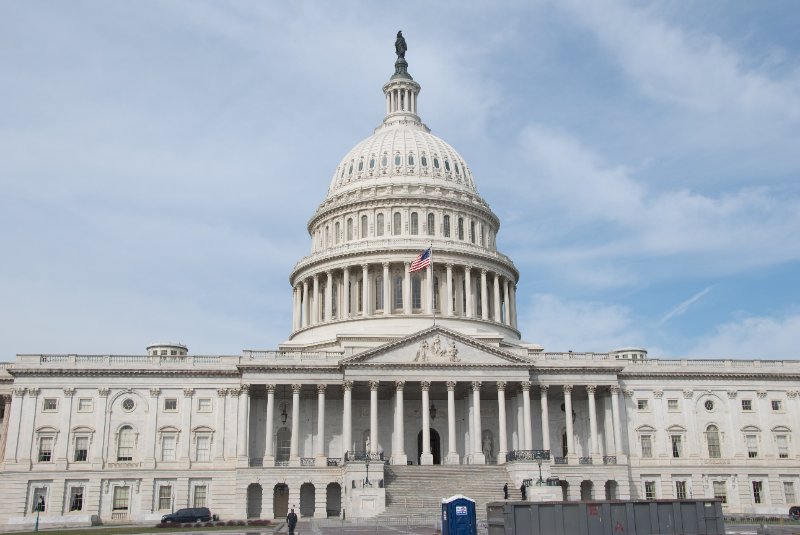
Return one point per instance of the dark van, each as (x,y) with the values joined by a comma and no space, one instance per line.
(191,514)
(794,512)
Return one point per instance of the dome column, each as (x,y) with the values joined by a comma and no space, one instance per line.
(449,305)
(346,292)
(470,312)
(387,296)
(407,289)
(315,301)
(514,305)
(365,290)
(507,301)
(484,296)
(498,317)
(305,306)
(329,296)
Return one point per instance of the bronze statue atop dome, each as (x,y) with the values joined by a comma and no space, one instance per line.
(400,46)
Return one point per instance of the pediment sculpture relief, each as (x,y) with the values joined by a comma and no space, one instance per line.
(436,351)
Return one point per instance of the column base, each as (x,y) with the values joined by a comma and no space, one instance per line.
(294,461)
(501,457)
(400,458)
(426,458)
(268,460)
(321,460)
(242,462)
(452,458)
(476,458)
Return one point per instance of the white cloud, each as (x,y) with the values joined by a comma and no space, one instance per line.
(553,321)
(756,337)
(682,307)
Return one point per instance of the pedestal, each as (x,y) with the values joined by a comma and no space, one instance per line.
(426,458)
(401,459)
(543,493)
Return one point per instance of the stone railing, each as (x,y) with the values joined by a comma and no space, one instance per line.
(527,455)
(560,460)
(308,461)
(361,456)
(609,459)
(584,460)
(248,355)
(714,363)
(334,461)
(571,356)
(125,360)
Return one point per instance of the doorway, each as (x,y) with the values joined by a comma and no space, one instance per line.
(280,500)
(254,493)
(436,446)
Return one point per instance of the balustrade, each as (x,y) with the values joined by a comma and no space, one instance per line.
(527,455)
(609,459)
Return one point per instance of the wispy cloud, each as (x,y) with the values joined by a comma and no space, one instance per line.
(757,337)
(680,308)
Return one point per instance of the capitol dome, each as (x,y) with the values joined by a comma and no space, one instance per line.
(398,193)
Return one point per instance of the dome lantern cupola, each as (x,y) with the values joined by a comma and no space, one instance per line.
(401,92)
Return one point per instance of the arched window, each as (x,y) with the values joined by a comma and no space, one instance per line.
(350,169)
(483,235)
(361,295)
(416,292)
(349,229)
(396,224)
(336,232)
(384,161)
(458,172)
(360,165)
(397,289)
(326,239)
(335,300)
(436,293)
(447,165)
(435,162)
(410,159)
(447,226)
(712,437)
(460,228)
(397,159)
(364,226)
(372,163)
(423,160)
(379,292)
(431,224)
(125,443)
(379,225)
(472,231)
(414,223)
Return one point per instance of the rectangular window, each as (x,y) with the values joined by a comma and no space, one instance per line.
(672,405)
(757,491)
(203,449)
(747,405)
(39,500)
(200,493)
(641,404)
(752,446)
(782,442)
(81,449)
(85,405)
(647,446)
(680,490)
(76,499)
(649,490)
(677,446)
(168,448)
(50,405)
(788,492)
(777,405)
(171,404)
(721,491)
(204,405)
(164,497)
(46,449)
(121,498)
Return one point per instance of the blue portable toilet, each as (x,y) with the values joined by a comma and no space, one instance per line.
(458,516)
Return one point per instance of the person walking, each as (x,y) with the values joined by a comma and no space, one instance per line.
(505,491)
(291,519)
(523,490)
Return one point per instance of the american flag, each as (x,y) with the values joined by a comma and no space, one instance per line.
(423,260)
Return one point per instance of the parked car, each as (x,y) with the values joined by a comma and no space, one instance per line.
(191,514)
(794,512)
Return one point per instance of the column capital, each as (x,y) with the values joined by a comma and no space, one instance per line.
(20,392)
(399,385)
(449,265)
(476,385)
(385,265)
(373,385)
(321,388)
(221,392)
(103,392)
(270,388)
(347,385)
(329,273)
(658,394)
(34,391)
(426,385)
(451,385)
(155,392)
(791,394)
(567,389)
(364,267)
(407,265)
(188,392)
(296,388)
(69,392)
(484,271)
(467,268)
(614,389)
(245,389)
(544,388)
(316,277)
(591,389)
(525,385)
(501,385)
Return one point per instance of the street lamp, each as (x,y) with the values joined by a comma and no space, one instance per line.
(539,456)
(366,463)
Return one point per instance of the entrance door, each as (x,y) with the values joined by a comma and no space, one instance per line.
(436,447)
(254,500)
(280,500)
(333,499)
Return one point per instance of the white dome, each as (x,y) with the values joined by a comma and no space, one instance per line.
(399,154)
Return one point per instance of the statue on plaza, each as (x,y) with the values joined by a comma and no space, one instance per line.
(400,46)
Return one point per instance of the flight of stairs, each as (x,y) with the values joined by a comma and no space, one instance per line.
(418,490)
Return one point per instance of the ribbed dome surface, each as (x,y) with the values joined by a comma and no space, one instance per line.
(394,154)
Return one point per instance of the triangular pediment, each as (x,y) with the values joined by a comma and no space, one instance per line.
(436,346)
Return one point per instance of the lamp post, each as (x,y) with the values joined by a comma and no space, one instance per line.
(539,456)
(366,463)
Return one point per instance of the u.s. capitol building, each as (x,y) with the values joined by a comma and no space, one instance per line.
(388,370)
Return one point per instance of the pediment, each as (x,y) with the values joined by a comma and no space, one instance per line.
(438,347)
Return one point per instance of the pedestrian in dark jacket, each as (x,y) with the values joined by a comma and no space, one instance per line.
(523,490)
(291,519)
(505,491)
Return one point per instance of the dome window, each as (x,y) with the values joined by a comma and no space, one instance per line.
(360,165)
(447,165)
(431,224)
(372,163)
(379,225)
(397,160)
(435,163)
(414,223)
(350,171)
(446,228)
(458,171)
(423,160)
(384,161)
(396,224)
(410,159)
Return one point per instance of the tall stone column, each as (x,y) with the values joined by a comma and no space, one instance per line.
(452,452)
(407,289)
(501,414)
(347,417)
(590,390)
(387,293)
(373,416)
(346,292)
(184,454)
(514,306)
(294,308)
(64,431)
(243,413)
(294,442)
(477,456)
(398,451)
(545,417)
(470,312)
(498,317)
(101,424)
(320,453)
(269,451)
(507,302)
(306,308)
(449,306)
(329,295)
(315,301)
(617,424)
(568,417)
(429,278)
(426,457)
(526,414)
(219,416)
(484,296)
(365,290)
(6,400)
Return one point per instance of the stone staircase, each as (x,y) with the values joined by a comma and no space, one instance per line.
(418,490)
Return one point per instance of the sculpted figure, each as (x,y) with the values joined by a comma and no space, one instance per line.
(422,352)
(436,348)
(488,445)
(400,46)
(452,352)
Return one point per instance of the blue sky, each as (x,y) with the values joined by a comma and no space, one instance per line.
(159,161)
